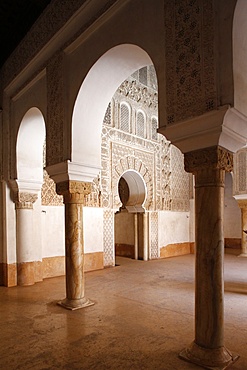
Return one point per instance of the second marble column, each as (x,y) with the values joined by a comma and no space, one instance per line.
(209,166)
(73,194)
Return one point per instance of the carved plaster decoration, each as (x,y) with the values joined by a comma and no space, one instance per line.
(73,191)
(129,150)
(135,91)
(240,172)
(179,182)
(55,110)
(56,15)
(190,64)
(153,235)
(49,197)
(214,157)
(94,198)
(25,200)
(123,164)
(242,203)
(108,238)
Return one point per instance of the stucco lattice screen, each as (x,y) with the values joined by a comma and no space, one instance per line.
(124,117)
(140,124)
(154,126)
(143,78)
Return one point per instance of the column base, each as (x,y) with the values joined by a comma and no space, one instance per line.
(242,255)
(212,359)
(75,304)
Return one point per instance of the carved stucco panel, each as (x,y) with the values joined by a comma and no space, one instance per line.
(190,59)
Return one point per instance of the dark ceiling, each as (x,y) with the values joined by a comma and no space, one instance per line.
(16,18)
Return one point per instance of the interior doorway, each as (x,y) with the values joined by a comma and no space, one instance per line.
(131,221)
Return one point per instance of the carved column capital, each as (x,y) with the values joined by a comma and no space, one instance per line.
(209,165)
(25,200)
(73,191)
(242,203)
(214,157)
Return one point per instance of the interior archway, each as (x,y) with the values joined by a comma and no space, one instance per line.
(136,191)
(91,103)
(132,193)
(29,150)
(29,159)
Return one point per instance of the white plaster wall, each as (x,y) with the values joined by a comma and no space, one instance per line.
(10,251)
(93,229)
(173,227)
(53,239)
(37,229)
(232,212)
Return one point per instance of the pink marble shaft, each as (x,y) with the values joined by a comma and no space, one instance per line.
(74,251)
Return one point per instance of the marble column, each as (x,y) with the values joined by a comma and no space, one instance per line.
(208,166)
(243,206)
(73,194)
(145,236)
(136,235)
(24,238)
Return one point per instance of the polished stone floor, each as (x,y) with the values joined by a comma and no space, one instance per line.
(142,318)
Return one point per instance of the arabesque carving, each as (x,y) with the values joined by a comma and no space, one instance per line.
(25,200)
(139,93)
(214,157)
(190,59)
(73,191)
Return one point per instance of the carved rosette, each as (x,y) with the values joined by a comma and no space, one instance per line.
(73,191)
(25,200)
(209,164)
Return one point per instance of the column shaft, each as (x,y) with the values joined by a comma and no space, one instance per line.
(209,302)
(74,251)
(25,250)
(209,165)
(73,193)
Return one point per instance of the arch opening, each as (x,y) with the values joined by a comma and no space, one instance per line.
(92,100)
(132,191)
(29,150)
